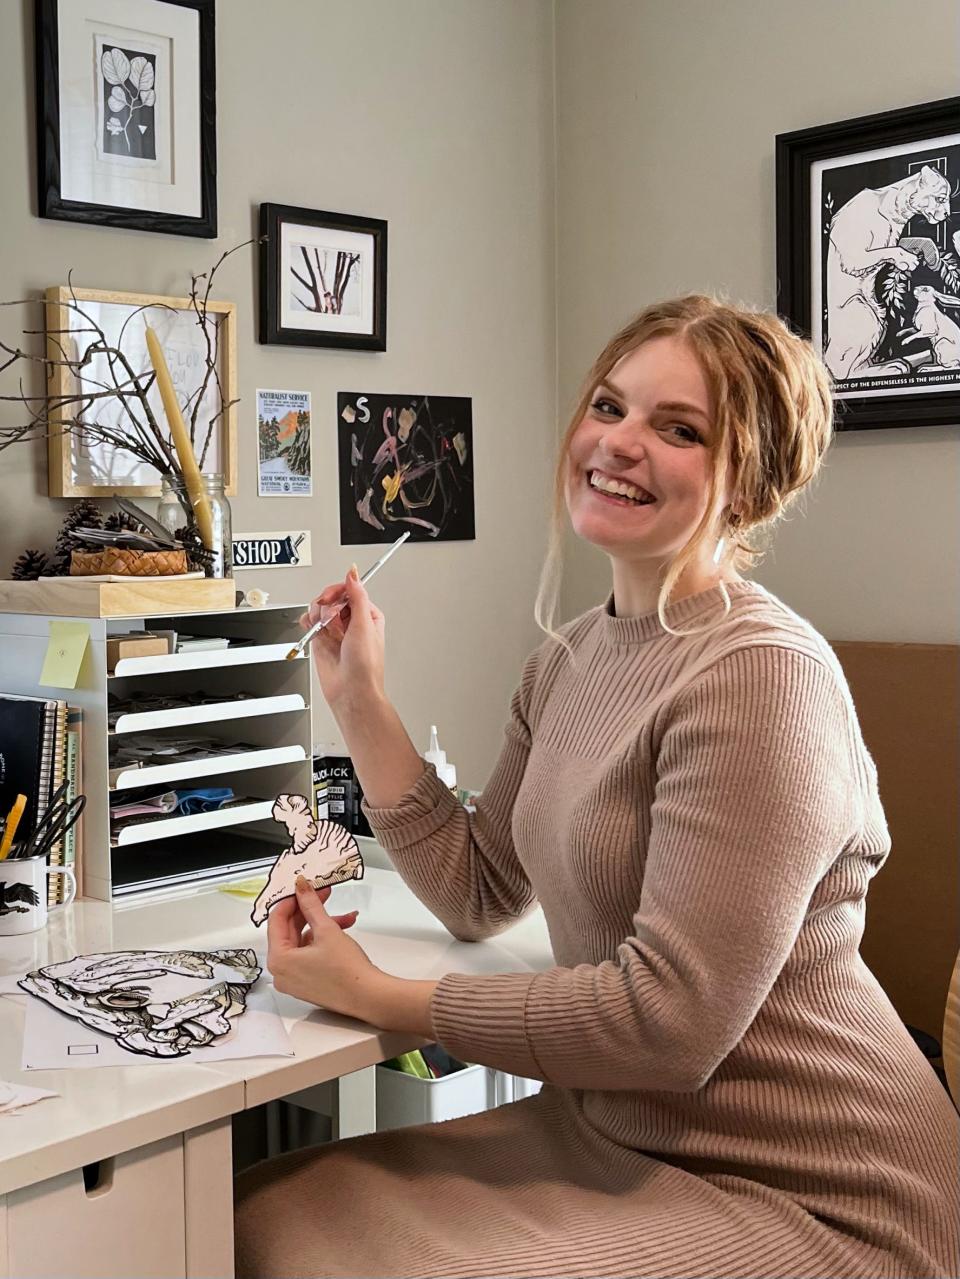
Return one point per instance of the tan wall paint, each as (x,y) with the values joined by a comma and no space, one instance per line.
(667,112)
(436,115)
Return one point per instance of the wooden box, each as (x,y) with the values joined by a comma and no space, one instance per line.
(143,645)
(131,597)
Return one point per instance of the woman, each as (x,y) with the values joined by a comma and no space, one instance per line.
(685,790)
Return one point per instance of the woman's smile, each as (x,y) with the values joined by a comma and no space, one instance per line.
(617,492)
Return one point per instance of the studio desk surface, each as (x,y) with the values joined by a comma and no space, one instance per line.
(103,1111)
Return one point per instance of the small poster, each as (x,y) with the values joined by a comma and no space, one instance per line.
(406,465)
(283,429)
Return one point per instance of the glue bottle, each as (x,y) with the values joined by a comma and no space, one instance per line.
(438,758)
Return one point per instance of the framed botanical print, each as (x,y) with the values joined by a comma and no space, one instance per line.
(323,279)
(126,113)
(101,387)
(868,260)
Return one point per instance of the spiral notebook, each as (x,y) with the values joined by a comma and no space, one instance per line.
(27,746)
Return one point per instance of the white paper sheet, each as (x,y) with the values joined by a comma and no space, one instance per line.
(52,1041)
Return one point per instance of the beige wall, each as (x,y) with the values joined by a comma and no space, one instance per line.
(667,111)
(436,115)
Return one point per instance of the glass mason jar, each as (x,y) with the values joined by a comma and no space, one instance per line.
(175,511)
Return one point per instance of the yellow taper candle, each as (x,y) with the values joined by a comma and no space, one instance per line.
(181,441)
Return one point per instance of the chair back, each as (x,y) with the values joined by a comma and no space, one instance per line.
(951,1035)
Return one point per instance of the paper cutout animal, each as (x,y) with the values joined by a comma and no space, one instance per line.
(158,1003)
(322,852)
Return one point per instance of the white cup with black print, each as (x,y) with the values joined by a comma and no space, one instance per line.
(23,893)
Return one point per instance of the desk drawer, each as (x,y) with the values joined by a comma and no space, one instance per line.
(131,1222)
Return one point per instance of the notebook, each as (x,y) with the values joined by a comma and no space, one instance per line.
(26,755)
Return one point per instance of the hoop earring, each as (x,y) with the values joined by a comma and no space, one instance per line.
(718,553)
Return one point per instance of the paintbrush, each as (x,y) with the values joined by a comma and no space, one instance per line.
(300,647)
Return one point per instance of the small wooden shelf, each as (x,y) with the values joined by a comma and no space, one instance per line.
(209,765)
(210,713)
(171,663)
(161,828)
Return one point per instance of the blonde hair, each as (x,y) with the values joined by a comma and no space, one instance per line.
(773,415)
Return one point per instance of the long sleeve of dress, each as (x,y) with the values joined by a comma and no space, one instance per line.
(464,867)
(756,797)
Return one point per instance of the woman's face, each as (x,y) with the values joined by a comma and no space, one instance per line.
(648,433)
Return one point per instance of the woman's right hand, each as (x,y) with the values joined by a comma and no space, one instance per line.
(348,653)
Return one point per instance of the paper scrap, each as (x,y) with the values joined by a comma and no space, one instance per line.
(245,887)
(13,1096)
(64,656)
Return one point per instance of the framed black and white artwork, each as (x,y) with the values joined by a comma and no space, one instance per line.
(126,113)
(868,260)
(323,279)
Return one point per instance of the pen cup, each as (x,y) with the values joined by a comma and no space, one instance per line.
(23,893)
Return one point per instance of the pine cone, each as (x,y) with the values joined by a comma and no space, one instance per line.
(85,514)
(198,557)
(120,522)
(59,565)
(30,566)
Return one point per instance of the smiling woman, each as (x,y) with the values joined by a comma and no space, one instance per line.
(699,819)
(718,413)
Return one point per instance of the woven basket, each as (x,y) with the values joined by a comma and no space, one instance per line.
(115,559)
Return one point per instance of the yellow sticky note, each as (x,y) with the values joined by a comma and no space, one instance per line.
(65,649)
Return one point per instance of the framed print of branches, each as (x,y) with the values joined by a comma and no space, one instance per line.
(126,113)
(101,392)
(323,279)
(868,260)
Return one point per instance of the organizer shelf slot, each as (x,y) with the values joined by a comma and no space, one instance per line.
(162,828)
(211,713)
(155,774)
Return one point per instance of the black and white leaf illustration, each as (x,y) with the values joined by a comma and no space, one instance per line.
(115,66)
(130,95)
(141,74)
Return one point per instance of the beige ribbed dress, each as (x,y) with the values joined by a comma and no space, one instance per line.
(729,1091)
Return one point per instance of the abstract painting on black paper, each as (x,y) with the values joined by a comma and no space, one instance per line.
(406,464)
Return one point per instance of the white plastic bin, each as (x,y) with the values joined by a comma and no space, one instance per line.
(403,1100)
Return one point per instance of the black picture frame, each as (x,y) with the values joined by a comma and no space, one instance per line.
(50,201)
(862,370)
(273,327)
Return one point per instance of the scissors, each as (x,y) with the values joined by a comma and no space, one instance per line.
(59,815)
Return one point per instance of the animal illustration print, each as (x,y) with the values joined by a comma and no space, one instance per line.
(864,237)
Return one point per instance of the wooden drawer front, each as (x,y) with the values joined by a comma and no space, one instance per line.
(130,1224)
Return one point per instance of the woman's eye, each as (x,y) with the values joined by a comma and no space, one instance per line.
(605,408)
(688,432)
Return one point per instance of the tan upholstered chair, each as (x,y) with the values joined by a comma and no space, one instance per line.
(951,1035)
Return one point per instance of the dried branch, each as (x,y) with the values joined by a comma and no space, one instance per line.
(67,353)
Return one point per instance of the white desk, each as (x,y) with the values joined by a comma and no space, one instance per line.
(165,1207)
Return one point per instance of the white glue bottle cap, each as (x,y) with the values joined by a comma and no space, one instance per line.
(438,758)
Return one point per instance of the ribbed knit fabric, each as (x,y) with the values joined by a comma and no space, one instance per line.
(729,1091)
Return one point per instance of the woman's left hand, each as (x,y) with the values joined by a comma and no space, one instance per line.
(312,958)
